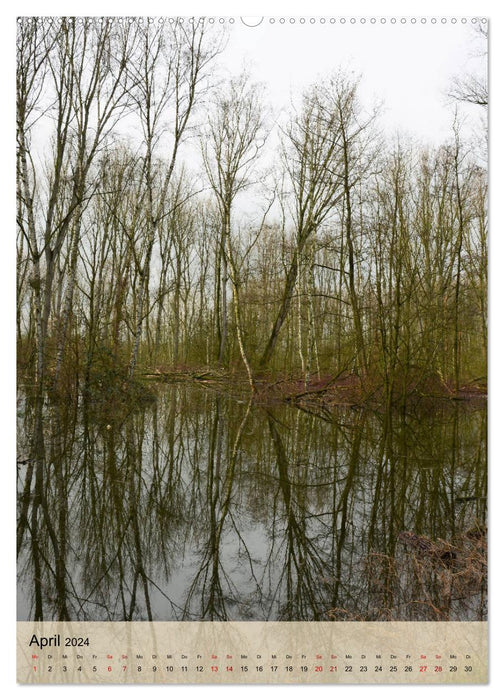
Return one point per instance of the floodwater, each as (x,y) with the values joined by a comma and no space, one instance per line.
(201,506)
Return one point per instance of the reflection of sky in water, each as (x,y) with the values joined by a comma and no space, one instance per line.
(290,535)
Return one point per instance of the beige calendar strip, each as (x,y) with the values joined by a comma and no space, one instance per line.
(252,652)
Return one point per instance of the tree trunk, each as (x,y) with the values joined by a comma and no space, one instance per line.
(67,306)
(290,284)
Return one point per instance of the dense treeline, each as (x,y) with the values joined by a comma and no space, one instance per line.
(137,246)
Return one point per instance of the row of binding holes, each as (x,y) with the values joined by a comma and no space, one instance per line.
(374,20)
(273,20)
(131,20)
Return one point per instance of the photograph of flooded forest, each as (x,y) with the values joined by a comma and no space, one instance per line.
(251,319)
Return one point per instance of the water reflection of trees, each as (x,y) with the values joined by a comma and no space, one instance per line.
(201,507)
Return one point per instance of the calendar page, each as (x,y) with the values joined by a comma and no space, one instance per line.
(251,328)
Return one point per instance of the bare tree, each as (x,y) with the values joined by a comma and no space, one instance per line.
(358,152)
(311,151)
(472,88)
(322,151)
(82,65)
(230,147)
(171,74)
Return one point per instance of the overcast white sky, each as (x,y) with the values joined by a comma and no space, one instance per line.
(406,66)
